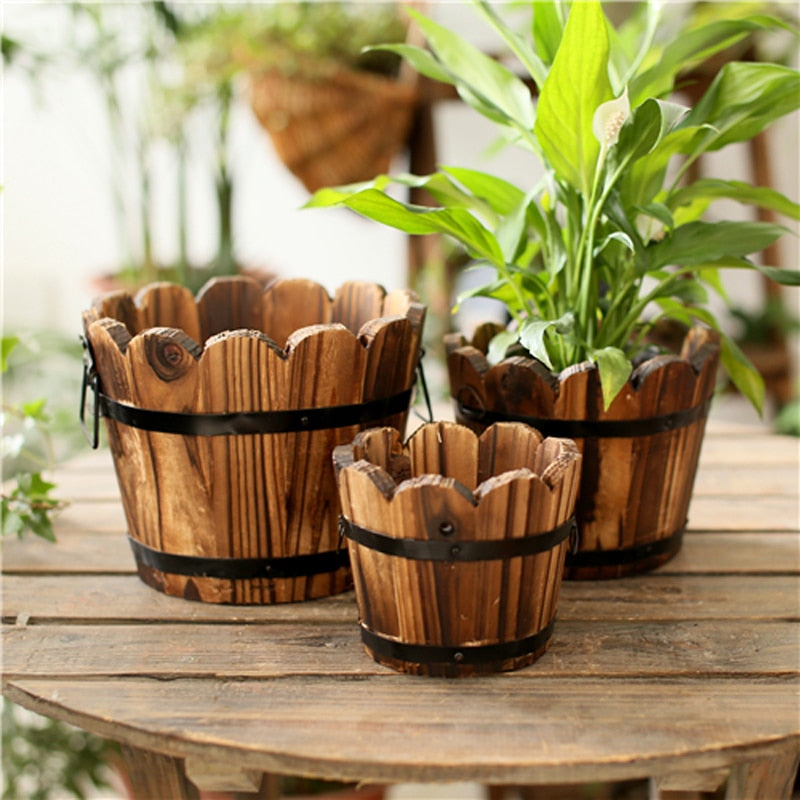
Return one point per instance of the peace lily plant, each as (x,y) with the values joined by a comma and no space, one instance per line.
(612,238)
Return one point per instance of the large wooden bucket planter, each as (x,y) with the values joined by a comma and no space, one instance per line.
(223,451)
(331,125)
(639,456)
(457,543)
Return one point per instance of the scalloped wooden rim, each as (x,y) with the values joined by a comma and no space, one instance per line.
(562,460)
(365,336)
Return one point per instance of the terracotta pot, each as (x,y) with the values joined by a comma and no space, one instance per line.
(457,543)
(223,451)
(639,456)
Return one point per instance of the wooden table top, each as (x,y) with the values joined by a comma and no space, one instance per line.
(685,671)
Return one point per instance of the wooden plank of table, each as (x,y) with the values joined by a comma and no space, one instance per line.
(744,513)
(732,480)
(579,648)
(750,451)
(654,597)
(401,728)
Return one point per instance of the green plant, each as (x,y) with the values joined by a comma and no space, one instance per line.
(27,503)
(613,229)
(44,759)
(290,36)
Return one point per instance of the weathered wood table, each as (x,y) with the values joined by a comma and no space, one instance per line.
(688,675)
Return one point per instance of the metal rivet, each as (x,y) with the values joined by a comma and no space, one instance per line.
(304,421)
(458,657)
(455,550)
(447,528)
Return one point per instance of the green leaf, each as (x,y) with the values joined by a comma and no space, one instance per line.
(743,374)
(419,220)
(422,61)
(35,409)
(681,287)
(647,127)
(499,345)
(576,85)
(484,77)
(7,345)
(743,99)
(532,337)
(644,178)
(701,242)
(692,47)
(517,44)
(715,188)
(501,195)
(547,29)
(614,368)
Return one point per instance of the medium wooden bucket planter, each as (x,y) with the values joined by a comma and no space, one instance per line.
(457,543)
(639,456)
(332,125)
(223,451)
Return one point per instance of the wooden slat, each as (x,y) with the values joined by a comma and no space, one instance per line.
(528,727)
(751,451)
(732,480)
(743,514)
(578,649)
(650,597)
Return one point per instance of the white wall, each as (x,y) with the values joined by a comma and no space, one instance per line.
(59,230)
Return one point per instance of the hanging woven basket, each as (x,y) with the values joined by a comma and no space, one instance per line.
(333,125)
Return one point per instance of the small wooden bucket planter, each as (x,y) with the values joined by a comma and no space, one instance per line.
(639,456)
(333,125)
(457,543)
(223,451)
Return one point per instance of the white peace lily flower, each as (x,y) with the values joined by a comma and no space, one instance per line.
(649,228)
(609,119)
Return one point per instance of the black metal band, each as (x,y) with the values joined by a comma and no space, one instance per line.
(466,654)
(591,428)
(438,550)
(244,422)
(627,555)
(240,568)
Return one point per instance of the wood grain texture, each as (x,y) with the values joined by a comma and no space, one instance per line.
(635,490)
(359,728)
(683,673)
(507,484)
(249,496)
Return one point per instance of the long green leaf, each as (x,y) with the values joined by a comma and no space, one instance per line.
(693,47)
(418,220)
(576,85)
(486,78)
(501,195)
(420,59)
(743,99)
(716,188)
(518,46)
(743,374)
(700,242)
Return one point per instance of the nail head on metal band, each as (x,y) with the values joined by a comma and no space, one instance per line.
(461,654)
(483,550)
